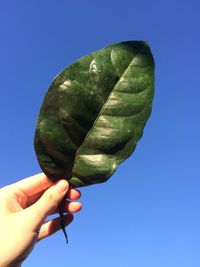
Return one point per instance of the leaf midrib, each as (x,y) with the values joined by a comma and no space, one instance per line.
(103,107)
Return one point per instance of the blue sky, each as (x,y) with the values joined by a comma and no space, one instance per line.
(148,213)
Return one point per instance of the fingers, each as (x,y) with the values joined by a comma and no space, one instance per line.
(70,207)
(50,227)
(73,207)
(49,201)
(34,184)
(72,194)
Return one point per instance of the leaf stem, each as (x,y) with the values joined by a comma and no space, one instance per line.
(62,218)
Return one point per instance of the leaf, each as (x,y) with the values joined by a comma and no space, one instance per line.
(94,113)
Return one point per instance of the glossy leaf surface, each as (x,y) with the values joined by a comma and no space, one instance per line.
(94,113)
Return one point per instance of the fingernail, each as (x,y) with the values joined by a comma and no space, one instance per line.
(62,185)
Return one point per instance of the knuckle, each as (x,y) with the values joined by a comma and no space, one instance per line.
(52,199)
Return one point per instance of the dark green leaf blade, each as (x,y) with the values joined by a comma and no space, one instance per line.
(94,113)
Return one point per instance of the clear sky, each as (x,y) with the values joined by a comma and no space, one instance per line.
(147,214)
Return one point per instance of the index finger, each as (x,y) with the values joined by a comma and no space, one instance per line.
(34,184)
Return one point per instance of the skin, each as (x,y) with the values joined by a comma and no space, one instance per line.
(24,206)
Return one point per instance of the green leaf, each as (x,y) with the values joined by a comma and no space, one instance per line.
(94,113)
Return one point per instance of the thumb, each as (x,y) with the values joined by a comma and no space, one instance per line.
(50,200)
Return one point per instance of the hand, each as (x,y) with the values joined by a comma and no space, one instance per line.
(23,208)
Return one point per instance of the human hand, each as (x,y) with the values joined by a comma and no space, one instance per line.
(23,208)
